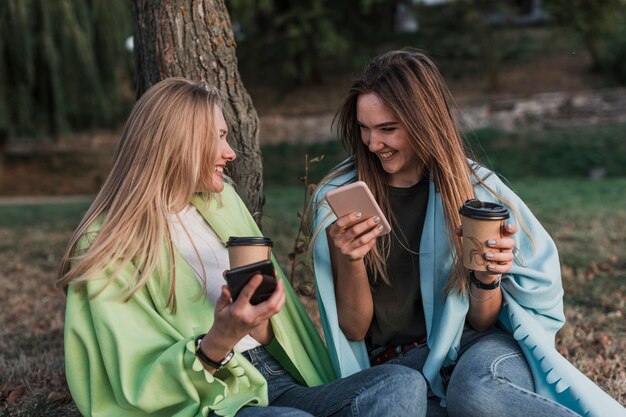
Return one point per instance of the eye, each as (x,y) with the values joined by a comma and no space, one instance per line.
(388,129)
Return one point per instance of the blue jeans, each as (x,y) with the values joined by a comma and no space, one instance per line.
(491,378)
(387,390)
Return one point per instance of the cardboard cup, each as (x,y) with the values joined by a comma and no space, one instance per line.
(246,250)
(481,221)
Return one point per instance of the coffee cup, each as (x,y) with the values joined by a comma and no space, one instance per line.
(246,250)
(481,221)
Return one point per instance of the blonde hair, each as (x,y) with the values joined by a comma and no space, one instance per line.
(164,155)
(411,86)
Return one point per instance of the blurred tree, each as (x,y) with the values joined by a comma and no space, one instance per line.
(301,34)
(481,19)
(594,20)
(63,65)
(198,43)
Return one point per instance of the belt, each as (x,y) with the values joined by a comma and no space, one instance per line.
(384,354)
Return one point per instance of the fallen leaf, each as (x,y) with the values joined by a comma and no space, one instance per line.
(15,395)
(59,396)
(58,379)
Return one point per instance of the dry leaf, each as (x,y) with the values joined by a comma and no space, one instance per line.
(58,379)
(15,395)
(59,396)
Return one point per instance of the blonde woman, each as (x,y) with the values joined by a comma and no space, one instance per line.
(151,329)
(483,340)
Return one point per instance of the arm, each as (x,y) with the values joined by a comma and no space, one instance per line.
(485,304)
(350,239)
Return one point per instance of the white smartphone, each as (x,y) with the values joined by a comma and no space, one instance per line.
(356,197)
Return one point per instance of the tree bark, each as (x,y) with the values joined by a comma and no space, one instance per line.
(194,39)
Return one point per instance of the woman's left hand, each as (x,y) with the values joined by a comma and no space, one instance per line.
(501,257)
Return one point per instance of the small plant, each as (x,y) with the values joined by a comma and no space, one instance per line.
(298,256)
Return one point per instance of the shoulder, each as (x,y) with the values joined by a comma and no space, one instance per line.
(333,182)
(227,198)
(484,179)
(90,234)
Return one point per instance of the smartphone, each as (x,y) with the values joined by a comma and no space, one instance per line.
(356,197)
(237,278)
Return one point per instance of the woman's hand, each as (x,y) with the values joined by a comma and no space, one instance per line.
(353,237)
(501,257)
(234,320)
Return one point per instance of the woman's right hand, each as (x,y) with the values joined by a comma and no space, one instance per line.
(235,319)
(353,237)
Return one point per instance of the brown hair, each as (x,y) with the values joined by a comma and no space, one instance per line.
(163,157)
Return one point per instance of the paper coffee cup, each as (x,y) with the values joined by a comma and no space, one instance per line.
(246,250)
(481,221)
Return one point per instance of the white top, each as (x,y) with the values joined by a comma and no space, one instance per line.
(213,256)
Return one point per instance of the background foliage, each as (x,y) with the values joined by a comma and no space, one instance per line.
(600,24)
(64,66)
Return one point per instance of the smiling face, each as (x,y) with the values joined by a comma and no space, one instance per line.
(224,153)
(384,136)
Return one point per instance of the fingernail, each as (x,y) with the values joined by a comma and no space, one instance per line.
(376,219)
(357,215)
(509,227)
(491,267)
(491,242)
(488,255)
(380,228)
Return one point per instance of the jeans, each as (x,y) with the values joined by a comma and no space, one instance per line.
(491,378)
(387,390)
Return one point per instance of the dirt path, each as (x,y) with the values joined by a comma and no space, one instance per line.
(36,200)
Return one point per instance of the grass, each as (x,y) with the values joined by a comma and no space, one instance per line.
(585,217)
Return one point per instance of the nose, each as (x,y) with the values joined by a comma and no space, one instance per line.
(228,153)
(374,144)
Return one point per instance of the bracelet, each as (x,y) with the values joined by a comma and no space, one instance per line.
(469,290)
(481,285)
(217,365)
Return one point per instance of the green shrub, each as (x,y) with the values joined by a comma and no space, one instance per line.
(580,152)
(565,152)
(615,59)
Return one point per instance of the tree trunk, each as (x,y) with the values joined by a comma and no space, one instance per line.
(194,39)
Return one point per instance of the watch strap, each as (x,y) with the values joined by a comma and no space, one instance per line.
(481,285)
(217,365)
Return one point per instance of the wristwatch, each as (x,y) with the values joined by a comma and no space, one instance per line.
(479,284)
(217,365)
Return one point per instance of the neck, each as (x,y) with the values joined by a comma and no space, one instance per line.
(408,180)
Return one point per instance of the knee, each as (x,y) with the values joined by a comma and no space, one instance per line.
(402,390)
(404,380)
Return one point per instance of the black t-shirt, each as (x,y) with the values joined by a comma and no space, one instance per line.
(398,311)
